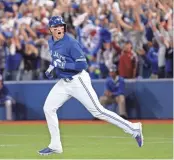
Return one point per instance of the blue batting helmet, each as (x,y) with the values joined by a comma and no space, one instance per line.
(56,21)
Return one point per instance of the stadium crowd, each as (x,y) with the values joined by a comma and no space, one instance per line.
(135,35)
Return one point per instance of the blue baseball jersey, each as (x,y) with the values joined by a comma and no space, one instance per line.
(117,87)
(68,51)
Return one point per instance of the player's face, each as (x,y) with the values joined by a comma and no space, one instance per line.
(57,32)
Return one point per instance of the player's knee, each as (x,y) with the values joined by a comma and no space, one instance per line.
(8,103)
(120,99)
(97,114)
(46,109)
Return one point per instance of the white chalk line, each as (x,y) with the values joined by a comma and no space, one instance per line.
(91,159)
(74,136)
(10,145)
(127,143)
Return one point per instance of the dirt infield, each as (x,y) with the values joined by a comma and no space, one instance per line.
(82,122)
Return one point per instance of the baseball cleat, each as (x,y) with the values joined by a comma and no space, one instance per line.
(47,151)
(139,137)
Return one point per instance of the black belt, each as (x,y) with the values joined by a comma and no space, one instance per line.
(69,79)
(70,71)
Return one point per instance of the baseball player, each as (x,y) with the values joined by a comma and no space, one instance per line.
(70,64)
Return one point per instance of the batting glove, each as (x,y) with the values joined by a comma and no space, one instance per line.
(49,73)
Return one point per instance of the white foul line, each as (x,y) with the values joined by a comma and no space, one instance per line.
(91,136)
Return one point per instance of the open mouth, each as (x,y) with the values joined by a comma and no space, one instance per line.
(59,32)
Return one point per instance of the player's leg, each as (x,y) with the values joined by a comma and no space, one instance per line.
(87,96)
(8,106)
(105,101)
(55,99)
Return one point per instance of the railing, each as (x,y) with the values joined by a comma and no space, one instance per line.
(146,99)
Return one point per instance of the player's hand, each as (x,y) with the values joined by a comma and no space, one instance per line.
(108,93)
(58,63)
(49,75)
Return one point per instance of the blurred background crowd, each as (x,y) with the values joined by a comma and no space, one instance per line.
(135,35)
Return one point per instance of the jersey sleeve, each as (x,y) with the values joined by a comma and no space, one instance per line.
(78,56)
(77,53)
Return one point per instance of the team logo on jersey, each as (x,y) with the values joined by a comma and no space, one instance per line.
(57,55)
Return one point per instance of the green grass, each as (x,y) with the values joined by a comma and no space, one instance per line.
(87,141)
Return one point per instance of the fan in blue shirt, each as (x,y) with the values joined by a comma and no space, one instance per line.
(115,91)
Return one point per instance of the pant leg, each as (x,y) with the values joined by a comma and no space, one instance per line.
(87,96)
(8,106)
(56,98)
(121,105)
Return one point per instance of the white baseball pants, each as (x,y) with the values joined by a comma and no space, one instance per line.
(81,89)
